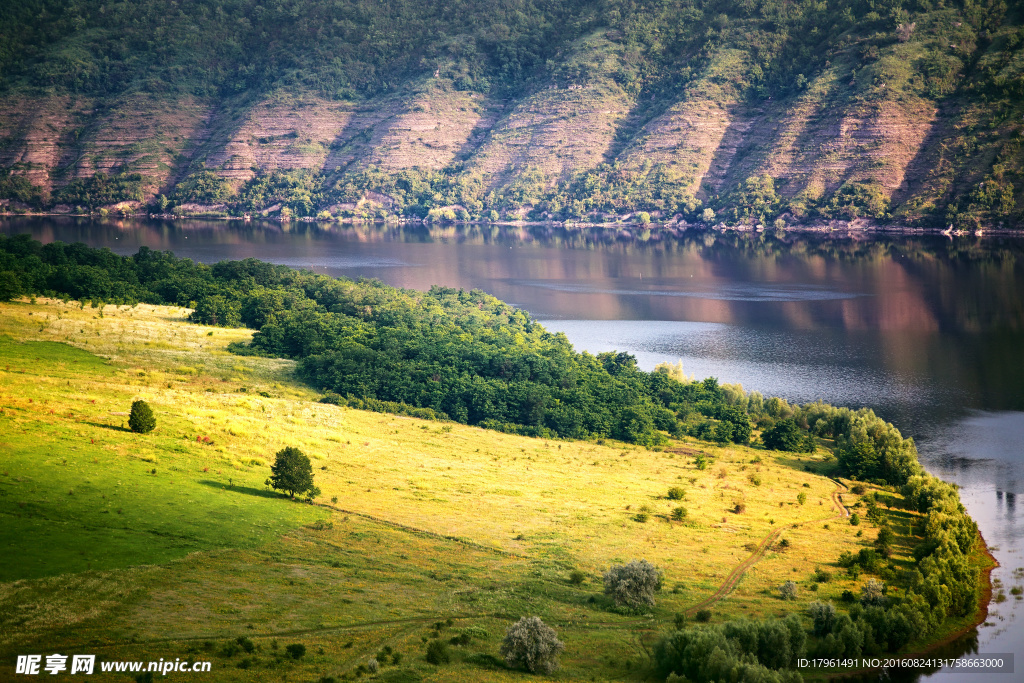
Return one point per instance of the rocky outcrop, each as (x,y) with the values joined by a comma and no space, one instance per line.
(36,134)
(842,124)
(567,126)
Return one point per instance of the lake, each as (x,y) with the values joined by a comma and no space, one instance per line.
(928,331)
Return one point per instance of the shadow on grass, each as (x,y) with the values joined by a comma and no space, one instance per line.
(805,462)
(247,490)
(106,426)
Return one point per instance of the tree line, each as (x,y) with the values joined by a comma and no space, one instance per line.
(461,355)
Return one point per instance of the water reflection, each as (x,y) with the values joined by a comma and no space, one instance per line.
(924,284)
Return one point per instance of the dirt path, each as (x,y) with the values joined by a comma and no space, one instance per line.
(837,498)
(736,574)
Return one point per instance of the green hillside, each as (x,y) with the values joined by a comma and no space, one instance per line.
(714,110)
(170,545)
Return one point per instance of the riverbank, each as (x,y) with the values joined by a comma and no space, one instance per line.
(952,642)
(834,228)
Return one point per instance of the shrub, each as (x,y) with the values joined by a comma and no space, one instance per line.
(703,615)
(873,592)
(633,584)
(884,541)
(576,577)
(641,517)
(787,591)
(823,614)
(679,514)
(676,493)
(141,419)
(855,519)
(532,645)
(245,643)
(296,650)
(868,559)
(822,575)
(437,653)
(476,632)
(801,498)
(373,666)
(755,478)
(858,489)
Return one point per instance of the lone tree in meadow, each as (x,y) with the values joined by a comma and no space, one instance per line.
(141,420)
(533,645)
(292,473)
(633,584)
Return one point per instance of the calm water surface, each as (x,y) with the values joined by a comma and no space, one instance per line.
(927,331)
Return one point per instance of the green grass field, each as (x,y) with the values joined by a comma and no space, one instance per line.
(170,545)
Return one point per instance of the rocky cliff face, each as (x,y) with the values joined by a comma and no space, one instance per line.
(871,124)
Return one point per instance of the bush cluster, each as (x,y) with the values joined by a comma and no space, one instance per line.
(532,645)
(633,584)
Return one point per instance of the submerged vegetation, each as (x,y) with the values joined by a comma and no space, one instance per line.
(491,514)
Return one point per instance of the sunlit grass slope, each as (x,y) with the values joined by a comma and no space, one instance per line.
(171,545)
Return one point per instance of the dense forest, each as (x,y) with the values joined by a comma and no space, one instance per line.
(348,48)
(892,69)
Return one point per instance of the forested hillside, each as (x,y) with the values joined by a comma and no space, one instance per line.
(707,110)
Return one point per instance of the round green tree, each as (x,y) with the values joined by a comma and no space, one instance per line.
(784,436)
(141,419)
(292,473)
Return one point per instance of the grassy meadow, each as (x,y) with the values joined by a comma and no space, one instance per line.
(170,545)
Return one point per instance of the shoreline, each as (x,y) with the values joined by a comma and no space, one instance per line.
(979,617)
(840,229)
